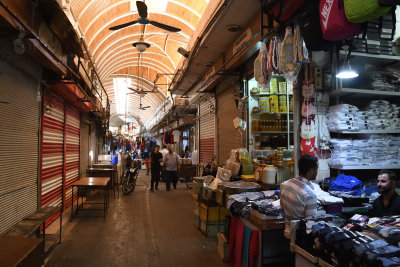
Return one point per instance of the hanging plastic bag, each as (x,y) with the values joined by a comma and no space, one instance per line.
(264,66)
(258,68)
(323,170)
(308,131)
(307,146)
(287,56)
(307,109)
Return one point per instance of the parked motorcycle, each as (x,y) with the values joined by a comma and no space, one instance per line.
(130,175)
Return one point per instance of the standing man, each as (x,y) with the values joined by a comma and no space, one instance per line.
(298,199)
(156,157)
(388,203)
(164,152)
(171,166)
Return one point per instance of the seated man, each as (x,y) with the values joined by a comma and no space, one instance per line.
(388,203)
(298,199)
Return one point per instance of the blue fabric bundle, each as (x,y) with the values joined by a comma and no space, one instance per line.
(347,183)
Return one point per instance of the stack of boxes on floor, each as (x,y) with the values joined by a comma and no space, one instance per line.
(209,216)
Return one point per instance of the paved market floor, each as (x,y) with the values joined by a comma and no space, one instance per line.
(142,229)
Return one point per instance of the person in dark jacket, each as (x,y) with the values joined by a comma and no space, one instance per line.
(388,203)
(156,157)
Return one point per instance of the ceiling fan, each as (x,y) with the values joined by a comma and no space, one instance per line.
(142,10)
(141,92)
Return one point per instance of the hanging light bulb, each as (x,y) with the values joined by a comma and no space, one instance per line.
(141,45)
(345,70)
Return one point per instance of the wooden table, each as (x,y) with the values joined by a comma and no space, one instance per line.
(102,166)
(21,251)
(103,172)
(90,183)
(187,171)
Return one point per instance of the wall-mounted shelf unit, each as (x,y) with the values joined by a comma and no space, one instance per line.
(373,59)
(366,167)
(342,92)
(390,131)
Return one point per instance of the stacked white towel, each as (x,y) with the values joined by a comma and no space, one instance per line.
(375,150)
(378,115)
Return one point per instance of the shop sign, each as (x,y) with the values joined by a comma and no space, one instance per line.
(242,41)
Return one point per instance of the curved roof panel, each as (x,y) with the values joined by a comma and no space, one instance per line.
(114,55)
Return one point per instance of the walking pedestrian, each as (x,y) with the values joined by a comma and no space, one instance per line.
(156,158)
(171,165)
(163,151)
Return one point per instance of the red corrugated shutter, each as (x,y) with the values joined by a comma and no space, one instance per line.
(72,152)
(52,153)
(60,152)
(207,130)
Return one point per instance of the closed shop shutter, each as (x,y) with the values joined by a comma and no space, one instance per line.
(19,153)
(51,179)
(72,153)
(228,137)
(207,131)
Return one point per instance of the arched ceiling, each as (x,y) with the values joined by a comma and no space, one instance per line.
(114,55)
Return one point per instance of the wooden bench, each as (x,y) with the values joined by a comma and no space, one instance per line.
(33,223)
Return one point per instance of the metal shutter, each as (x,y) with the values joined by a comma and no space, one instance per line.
(19,120)
(228,137)
(207,130)
(52,156)
(72,153)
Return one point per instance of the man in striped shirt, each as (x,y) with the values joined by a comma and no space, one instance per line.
(298,199)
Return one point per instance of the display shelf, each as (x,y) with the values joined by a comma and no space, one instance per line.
(364,92)
(369,167)
(268,94)
(272,132)
(364,58)
(366,131)
(273,113)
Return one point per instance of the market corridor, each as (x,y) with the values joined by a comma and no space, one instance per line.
(142,229)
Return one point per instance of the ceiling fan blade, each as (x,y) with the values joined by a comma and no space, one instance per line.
(146,107)
(118,27)
(135,90)
(164,26)
(142,9)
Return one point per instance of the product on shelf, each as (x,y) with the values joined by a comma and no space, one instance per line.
(263,104)
(282,88)
(274,103)
(378,115)
(377,150)
(273,86)
(282,103)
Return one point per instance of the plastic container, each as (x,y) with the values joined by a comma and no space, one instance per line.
(114,159)
(259,175)
(282,87)
(269,174)
(263,104)
(274,103)
(273,86)
(282,104)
